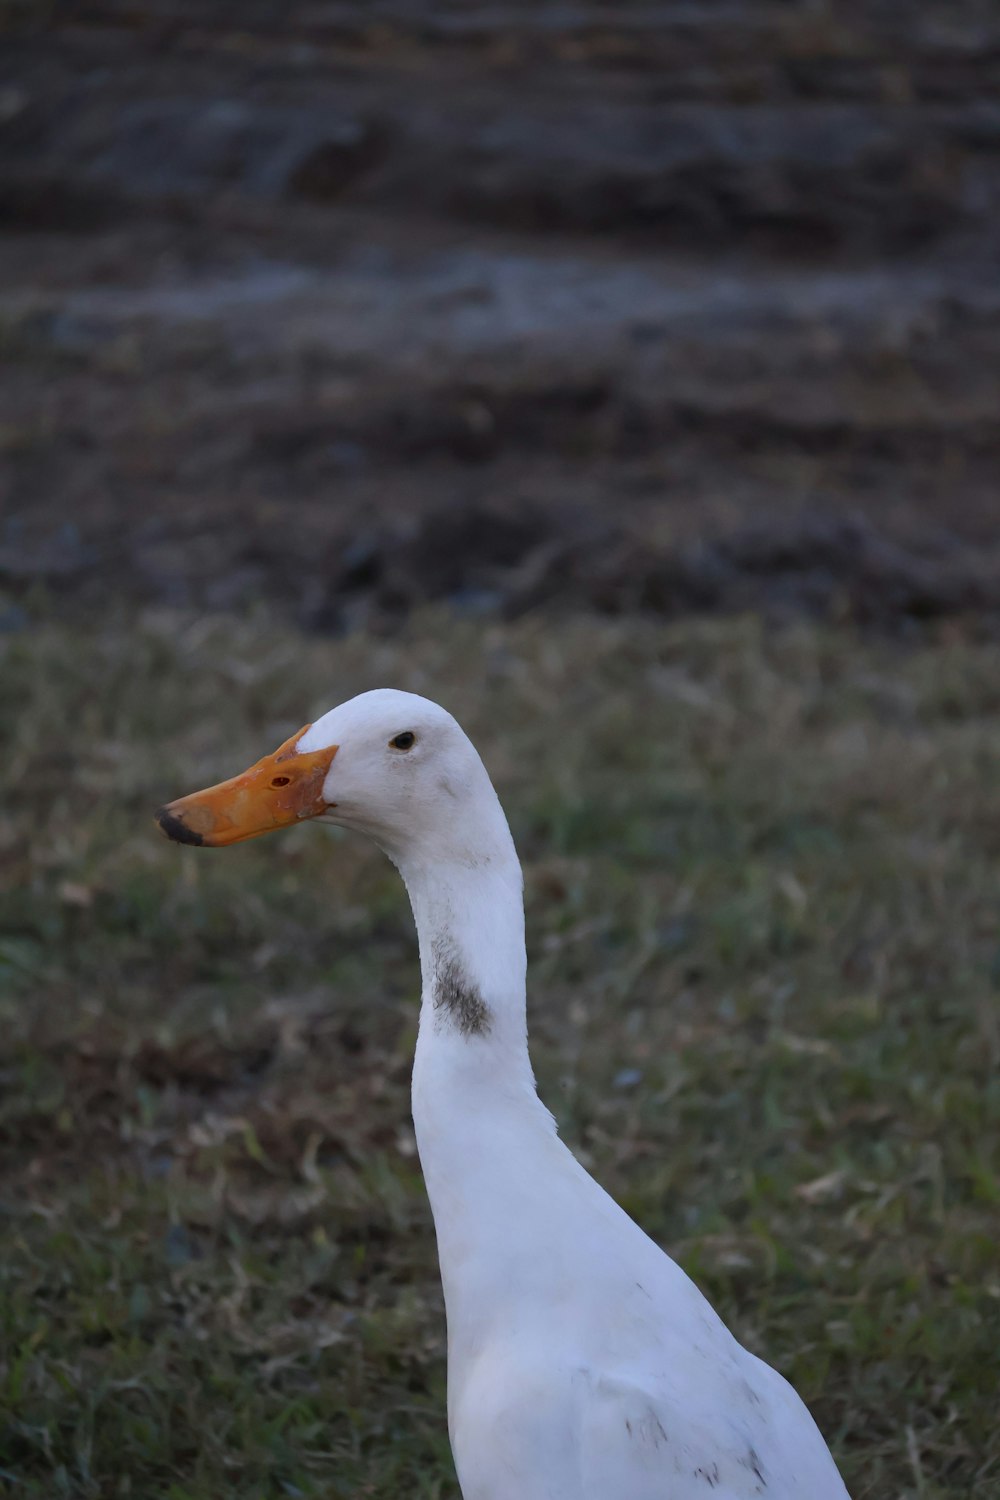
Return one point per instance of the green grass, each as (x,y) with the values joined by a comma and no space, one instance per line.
(763,887)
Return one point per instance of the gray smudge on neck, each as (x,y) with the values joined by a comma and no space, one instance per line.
(455,995)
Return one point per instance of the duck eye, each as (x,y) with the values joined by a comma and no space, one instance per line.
(280,780)
(403,741)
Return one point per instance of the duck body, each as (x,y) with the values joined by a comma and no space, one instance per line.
(586,1365)
(583,1364)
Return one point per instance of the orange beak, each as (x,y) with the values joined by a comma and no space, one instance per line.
(282,788)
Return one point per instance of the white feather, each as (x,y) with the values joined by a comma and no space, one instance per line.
(583,1364)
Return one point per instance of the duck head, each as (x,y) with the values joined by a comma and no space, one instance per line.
(390,764)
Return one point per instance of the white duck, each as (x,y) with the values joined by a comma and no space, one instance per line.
(583,1364)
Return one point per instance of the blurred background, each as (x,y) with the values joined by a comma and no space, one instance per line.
(625,376)
(353,306)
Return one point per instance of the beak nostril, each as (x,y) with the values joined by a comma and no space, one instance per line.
(280,780)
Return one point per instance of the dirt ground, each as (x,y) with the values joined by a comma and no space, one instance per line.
(669,307)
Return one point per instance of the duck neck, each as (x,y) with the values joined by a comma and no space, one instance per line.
(477,1116)
(471,1067)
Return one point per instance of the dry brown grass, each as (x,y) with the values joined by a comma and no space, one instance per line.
(762,887)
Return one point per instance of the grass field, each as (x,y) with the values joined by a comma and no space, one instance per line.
(763,878)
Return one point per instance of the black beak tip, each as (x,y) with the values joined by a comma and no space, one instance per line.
(175,828)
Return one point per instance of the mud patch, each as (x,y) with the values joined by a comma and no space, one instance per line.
(349,311)
(844,569)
